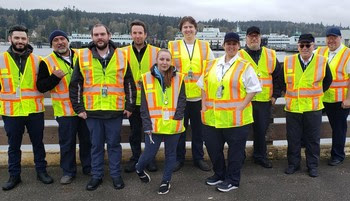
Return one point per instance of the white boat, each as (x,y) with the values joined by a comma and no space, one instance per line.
(85,39)
(280,42)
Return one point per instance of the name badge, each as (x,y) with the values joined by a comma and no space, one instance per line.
(104,91)
(166,115)
(219,92)
(190,74)
(18,92)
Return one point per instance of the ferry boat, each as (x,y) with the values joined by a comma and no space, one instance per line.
(84,39)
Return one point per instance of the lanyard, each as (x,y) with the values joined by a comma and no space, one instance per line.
(224,73)
(188,51)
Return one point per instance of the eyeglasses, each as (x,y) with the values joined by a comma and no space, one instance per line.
(305,45)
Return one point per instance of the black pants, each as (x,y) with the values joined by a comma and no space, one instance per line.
(306,126)
(337,117)
(262,118)
(135,137)
(236,139)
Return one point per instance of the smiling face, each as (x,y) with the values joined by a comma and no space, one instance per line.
(138,35)
(305,49)
(163,61)
(100,37)
(231,48)
(60,45)
(19,41)
(188,30)
(333,42)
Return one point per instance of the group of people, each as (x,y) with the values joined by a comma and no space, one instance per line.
(160,91)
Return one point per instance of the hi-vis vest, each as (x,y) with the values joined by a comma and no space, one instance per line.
(164,104)
(264,70)
(222,112)
(304,90)
(183,63)
(149,58)
(103,89)
(19,95)
(339,88)
(60,94)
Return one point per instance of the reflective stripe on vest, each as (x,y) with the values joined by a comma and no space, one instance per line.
(222,112)
(111,79)
(264,69)
(137,68)
(183,63)
(157,107)
(304,89)
(60,93)
(19,95)
(339,88)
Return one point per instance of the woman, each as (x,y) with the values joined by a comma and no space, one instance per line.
(189,55)
(163,102)
(229,83)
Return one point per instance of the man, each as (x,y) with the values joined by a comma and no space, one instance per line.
(305,77)
(101,91)
(337,98)
(141,57)
(55,73)
(22,105)
(268,69)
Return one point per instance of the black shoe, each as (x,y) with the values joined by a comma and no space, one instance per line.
(313,172)
(178,166)
(93,184)
(334,162)
(44,177)
(213,180)
(225,187)
(266,163)
(130,167)
(152,167)
(144,177)
(291,169)
(201,164)
(118,183)
(164,188)
(87,172)
(11,183)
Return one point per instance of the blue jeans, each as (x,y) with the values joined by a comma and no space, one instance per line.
(101,131)
(170,142)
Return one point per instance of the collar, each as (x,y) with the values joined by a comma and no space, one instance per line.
(223,63)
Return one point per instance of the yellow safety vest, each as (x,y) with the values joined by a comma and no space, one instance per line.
(103,89)
(222,112)
(60,93)
(339,88)
(19,95)
(304,90)
(162,106)
(184,64)
(264,70)
(149,58)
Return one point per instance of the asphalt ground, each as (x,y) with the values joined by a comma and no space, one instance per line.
(257,183)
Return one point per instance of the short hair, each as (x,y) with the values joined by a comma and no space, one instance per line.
(100,25)
(189,19)
(18,28)
(138,23)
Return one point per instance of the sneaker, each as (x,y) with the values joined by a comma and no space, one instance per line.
(225,187)
(164,188)
(213,180)
(144,177)
(66,179)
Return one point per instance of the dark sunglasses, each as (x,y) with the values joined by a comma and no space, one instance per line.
(305,45)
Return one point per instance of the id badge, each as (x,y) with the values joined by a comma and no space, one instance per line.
(166,115)
(104,91)
(219,92)
(190,74)
(139,84)
(18,92)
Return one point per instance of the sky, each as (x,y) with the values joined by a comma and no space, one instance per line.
(335,12)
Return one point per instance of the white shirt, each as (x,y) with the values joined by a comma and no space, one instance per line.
(332,54)
(307,61)
(249,77)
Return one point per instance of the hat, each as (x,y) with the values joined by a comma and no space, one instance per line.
(308,38)
(333,31)
(57,33)
(231,36)
(253,29)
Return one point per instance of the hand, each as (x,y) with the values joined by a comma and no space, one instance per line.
(59,73)
(82,115)
(345,104)
(128,114)
(273,100)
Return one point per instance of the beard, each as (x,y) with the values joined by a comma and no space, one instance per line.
(101,46)
(62,50)
(19,49)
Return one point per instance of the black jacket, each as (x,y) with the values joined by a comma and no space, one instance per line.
(180,110)
(47,82)
(76,87)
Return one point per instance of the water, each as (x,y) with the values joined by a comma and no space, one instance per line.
(46,50)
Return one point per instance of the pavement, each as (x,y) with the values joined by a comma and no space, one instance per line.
(257,183)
